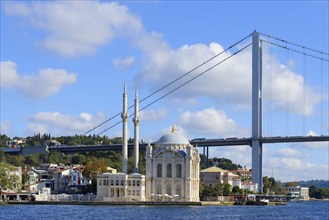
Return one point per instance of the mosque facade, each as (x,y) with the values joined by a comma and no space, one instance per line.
(172,168)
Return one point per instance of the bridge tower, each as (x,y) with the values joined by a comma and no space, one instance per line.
(257,146)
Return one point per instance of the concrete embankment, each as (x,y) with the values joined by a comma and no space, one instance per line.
(108,203)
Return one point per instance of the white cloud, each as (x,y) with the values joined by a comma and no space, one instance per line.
(5,127)
(210,122)
(294,169)
(61,124)
(78,27)
(153,115)
(123,63)
(46,83)
(230,82)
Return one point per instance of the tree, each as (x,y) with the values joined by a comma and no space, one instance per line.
(92,169)
(8,181)
(56,157)
(237,190)
(78,159)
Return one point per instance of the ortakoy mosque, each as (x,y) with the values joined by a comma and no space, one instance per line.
(172,168)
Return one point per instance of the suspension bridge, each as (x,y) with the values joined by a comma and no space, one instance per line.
(257,138)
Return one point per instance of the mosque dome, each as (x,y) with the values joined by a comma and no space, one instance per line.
(173,138)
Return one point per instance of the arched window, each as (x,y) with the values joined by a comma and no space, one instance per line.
(159,170)
(168,189)
(169,170)
(178,190)
(179,170)
(159,189)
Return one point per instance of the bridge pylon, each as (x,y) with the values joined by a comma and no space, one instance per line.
(257,146)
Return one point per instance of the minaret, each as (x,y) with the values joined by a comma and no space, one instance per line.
(136,135)
(124,116)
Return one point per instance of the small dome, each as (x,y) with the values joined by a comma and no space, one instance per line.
(173,138)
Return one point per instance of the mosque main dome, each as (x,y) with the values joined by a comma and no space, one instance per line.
(173,138)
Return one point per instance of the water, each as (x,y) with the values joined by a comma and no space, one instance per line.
(293,210)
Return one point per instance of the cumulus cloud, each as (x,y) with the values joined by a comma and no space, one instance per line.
(153,115)
(78,27)
(210,122)
(61,124)
(123,63)
(230,82)
(48,82)
(295,169)
(5,127)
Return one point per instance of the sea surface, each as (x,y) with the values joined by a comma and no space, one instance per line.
(293,210)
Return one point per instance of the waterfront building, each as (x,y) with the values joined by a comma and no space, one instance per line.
(215,175)
(297,192)
(172,169)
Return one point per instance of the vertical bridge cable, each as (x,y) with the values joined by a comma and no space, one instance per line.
(304,81)
(321,91)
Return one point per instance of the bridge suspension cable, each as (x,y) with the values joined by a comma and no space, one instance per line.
(183,84)
(294,44)
(170,83)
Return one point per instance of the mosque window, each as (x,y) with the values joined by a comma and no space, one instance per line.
(159,170)
(169,170)
(168,189)
(178,190)
(179,170)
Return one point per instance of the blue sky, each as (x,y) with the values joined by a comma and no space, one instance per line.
(63,65)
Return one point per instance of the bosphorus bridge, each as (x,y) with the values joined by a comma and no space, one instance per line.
(257,138)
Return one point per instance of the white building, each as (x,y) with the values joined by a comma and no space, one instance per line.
(297,192)
(172,169)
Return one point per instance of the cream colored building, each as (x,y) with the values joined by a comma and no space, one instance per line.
(172,169)
(121,187)
(214,175)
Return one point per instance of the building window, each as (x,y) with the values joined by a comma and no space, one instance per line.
(104,182)
(178,170)
(100,182)
(129,182)
(122,182)
(159,170)
(169,170)
(134,182)
(168,189)
(117,182)
(112,182)
(137,182)
(178,190)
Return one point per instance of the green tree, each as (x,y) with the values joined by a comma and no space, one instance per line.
(2,156)
(33,160)
(56,157)
(78,159)
(92,169)
(237,190)
(8,181)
